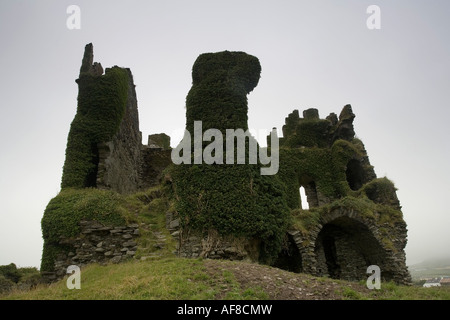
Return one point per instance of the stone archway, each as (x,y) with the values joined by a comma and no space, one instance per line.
(345,247)
(289,258)
(344,243)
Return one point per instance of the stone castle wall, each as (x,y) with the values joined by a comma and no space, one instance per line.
(120,159)
(96,243)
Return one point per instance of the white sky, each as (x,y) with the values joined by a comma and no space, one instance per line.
(313,54)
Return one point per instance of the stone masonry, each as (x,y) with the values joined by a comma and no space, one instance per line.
(95,244)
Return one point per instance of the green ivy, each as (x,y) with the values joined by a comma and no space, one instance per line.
(325,166)
(65,211)
(234,200)
(310,133)
(231,199)
(381,191)
(101,106)
(220,84)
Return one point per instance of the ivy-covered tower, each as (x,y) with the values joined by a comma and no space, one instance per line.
(104,151)
(226,210)
(352,219)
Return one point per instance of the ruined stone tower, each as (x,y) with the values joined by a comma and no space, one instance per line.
(353,219)
(104,147)
(227,209)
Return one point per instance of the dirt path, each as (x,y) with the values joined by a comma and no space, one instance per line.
(283,285)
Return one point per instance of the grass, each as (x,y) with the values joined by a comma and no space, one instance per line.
(190,279)
(150,209)
(166,277)
(158,279)
(351,294)
(391,291)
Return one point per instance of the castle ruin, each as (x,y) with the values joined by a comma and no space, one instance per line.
(353,219)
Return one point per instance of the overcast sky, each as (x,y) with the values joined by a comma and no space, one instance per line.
(314,54)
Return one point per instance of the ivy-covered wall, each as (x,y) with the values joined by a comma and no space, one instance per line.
(319,151)
(101,105)
(356,218)
(228,199)
(65,211)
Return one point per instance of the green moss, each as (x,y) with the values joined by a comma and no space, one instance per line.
(64,213)
(384,216)
(101,106)
(324,166)
(381,191)
(343,151)
(50,253)
(363,206)
(299,166)
(304,220)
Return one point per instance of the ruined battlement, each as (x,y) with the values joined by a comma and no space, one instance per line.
(312,131)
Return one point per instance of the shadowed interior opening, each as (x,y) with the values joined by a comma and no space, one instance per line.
(344,249)
(289,258)
(355,174)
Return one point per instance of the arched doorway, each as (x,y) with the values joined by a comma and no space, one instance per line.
(345,247)
(289,257)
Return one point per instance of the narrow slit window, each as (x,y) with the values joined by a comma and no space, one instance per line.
(303,199)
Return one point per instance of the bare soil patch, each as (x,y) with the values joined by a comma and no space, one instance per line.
(280,284)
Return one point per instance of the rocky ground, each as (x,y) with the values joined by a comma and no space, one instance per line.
(282,285)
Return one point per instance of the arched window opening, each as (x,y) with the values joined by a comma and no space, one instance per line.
(308,195)
(303,199)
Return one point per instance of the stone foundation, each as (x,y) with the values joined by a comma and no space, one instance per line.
(95,244)
(211,245)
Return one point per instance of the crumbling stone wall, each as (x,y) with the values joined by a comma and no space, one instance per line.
(354,219)
(154,161)
(120,158)
(358,242)
(96,243)
(101,106)
(104,148)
